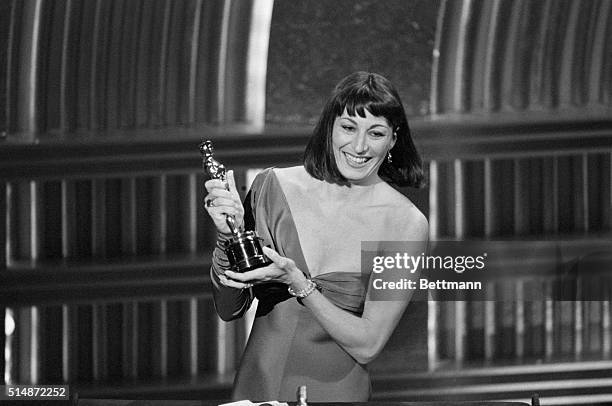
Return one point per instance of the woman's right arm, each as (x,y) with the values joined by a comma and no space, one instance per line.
(231,299)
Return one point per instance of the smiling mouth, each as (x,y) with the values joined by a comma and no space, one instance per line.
(356,160)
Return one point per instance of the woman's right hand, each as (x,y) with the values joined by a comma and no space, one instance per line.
(223,199)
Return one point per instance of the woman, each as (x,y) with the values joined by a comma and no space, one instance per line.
(314,217)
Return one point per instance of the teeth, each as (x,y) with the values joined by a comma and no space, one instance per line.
(355,159)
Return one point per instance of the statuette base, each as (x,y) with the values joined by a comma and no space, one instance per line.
(245,253)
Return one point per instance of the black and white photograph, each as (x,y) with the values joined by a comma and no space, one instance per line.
(283,202)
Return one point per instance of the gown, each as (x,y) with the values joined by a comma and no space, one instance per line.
(287,346)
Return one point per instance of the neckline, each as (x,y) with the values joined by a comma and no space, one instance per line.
(333,192)
(352,193)
(296,234)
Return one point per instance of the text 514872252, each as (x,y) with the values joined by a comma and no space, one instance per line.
(34,392)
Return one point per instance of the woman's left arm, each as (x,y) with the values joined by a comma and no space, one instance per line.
(362,337)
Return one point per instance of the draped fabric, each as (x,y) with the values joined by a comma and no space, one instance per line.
(287,346)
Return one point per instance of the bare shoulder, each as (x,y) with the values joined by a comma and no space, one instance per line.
(410,222)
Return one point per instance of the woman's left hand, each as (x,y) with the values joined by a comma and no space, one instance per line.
(282,270)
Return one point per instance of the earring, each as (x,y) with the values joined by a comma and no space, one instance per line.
(389,158)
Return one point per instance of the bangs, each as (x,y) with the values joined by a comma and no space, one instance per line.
(378,103)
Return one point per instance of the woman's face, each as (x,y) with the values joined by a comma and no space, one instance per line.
(361,145)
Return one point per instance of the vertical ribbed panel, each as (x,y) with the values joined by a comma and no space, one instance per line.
(101,65)
(99,60)
(550,183)
(114,345)
(434,202)
(474,329)
(142,67)
(231,90)
(10,15)
(177,341)
(223,346)
(129,327)
(192,216)
(193,353)
(540,73)
(519,320)
(33,207)
(433,307)
(160,340)
(548,322)
(503,55)
(598,196)
(50,63)
(606,330)
(50,343)
(507,56)
(5,335)
(69,344)
(503,178)
(489,213)
(10,220)
(461,317)
(112,37)
(99,335)
(433,339)
(535,314)
(128,216)
(68,223)
(106,218)
(29,347)
(159,57)
(520,214)
(549,195)
(28,114)
(159,221)
(571,58)
(578,327)
(98,248)
(473,198)
(593,332)
(512,71)
(23,206)
(490,324)
(4,227)
(145,345)
(194,49)
(70,338)
(51,223)
(129,50)
(68,90)
(583,194)
(600,54)
(486,31)
(450,46)
(179,204)
(98,217)
(207,347)
(129,336)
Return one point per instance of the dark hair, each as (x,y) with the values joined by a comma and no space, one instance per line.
(356,93)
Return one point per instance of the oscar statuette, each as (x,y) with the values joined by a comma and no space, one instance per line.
(243,249)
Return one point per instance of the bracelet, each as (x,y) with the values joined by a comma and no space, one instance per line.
(223,237)
(302,293)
